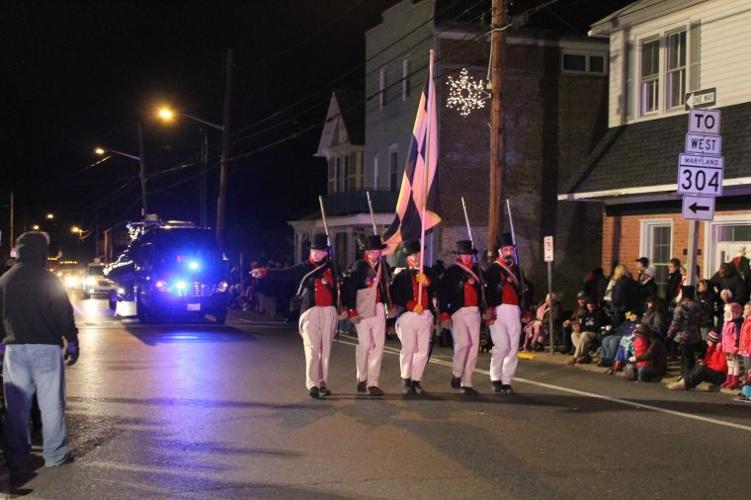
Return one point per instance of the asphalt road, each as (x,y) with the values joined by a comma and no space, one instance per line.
(201,411)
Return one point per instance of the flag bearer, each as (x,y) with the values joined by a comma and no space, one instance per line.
(505,288)
(414,326)
(317,295)
(461,304)
(365,294)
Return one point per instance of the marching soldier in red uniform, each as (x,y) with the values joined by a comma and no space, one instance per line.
(505,289)
(414,326)
(461,302)
(317,293)
(365,295)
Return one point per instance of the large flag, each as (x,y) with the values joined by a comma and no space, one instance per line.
(420,180)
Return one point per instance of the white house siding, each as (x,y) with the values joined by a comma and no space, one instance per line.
(724,52)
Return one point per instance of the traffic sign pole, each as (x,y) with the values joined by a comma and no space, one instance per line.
(548,247)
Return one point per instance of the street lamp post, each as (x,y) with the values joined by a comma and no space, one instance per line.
(142,166)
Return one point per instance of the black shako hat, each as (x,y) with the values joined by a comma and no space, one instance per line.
(465,247)
(411,247)
(374,242)
(319,242)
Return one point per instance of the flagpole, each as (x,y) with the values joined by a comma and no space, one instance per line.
(426,169)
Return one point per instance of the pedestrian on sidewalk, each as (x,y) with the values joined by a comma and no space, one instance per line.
(317,295)
(37,321)
(731,333)
(505,293)
(364,294)
(414,326)
(712,368)
(461,303)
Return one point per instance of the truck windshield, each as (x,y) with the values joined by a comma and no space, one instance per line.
(179,244)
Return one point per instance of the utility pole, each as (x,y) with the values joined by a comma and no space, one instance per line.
(495,186)
(221,202)
(203,181)
(12,210)
(142,172)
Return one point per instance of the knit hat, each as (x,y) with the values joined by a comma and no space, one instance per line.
(713,337)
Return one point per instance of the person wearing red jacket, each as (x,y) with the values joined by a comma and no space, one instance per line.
(713,368)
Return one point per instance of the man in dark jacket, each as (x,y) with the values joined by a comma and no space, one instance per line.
(318,294)
(673,287)
(37,320)
(728,279)
(412,291)
(365,295)
(461,309)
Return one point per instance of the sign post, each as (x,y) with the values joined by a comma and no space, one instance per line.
(700,170)
(549,248)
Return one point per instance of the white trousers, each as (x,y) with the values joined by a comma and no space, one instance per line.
(317,328)
(505,332)
(465,329)
(415,332)
(371,335)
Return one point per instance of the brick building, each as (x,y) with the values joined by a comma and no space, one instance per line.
(659,52)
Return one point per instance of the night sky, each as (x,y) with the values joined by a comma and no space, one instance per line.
(79,74)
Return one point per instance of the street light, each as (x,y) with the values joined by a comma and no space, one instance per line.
(76,230)
(140,159)
(50,216)
(35,227)
(168,115)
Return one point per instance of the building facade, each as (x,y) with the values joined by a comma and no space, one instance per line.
(659,53)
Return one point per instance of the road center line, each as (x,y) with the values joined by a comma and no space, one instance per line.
(592,395)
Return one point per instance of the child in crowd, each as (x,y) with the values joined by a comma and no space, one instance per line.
(649,361)
(712,368)
(625,347)
(744,343)
(534,331)
(744,394)
(731,330)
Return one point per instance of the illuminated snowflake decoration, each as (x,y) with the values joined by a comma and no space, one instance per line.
(466,94)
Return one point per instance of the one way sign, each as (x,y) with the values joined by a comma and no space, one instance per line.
(698,208)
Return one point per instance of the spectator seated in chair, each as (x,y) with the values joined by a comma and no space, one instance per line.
(612,338)
(536,330)
(581,307)
(582,343)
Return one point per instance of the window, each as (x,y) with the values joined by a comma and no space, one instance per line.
(393,170)
(354,177)
(583,63)
(405,80)
(343,173)
(574,62)
(650,76)
(676,70)
(375,172)
(332,174)
(382,88)
(658,248)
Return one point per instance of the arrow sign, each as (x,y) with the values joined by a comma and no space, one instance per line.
(698,208)
(701,98)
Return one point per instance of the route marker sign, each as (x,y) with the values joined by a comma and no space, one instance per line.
(698,208)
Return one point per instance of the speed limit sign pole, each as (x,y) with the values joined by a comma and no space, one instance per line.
(548,252)
(700,176)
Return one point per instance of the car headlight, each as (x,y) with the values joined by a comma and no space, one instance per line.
(120,290)
(161,286)
(91,281)
(222,286)
(71,281)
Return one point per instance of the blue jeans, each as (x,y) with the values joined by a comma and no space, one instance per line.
(610,346)
(29,368)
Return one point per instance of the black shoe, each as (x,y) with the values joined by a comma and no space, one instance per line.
(456,382)
(506,389)
(323,391)
(417,388)
(362,386)
(313,393)
(407,386)
(67,460)
(468,391)
(497,386)
(374,390)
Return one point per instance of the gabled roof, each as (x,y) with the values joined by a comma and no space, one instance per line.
(347,107)
(643,156)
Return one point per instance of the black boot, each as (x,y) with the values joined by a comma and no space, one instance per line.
(506,389)
(456,382)
(497,386)
(417,388)
(313,393)
(323,391)
(362,386)
(374,390)
(407,386)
